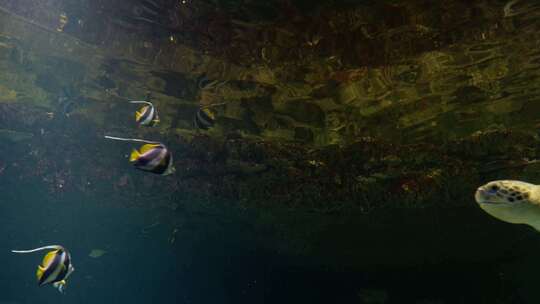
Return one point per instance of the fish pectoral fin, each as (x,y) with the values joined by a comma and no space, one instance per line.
(60,285)
(134,155)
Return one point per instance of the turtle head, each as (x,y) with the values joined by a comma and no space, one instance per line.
(511,201)
(503,192)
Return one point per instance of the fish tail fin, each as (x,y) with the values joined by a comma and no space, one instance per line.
(134,155)
(132,139)
(38,249)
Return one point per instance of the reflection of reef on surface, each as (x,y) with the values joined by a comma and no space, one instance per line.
(320,74)
(365,175)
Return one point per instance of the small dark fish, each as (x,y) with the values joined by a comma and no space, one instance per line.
(55,268)
(152,157)
(66,101)
(147,115)
(68,108)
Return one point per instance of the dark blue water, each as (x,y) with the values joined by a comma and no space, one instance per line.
(141,265)
(128,271)
(215,258)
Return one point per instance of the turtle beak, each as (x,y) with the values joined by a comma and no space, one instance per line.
(480,196)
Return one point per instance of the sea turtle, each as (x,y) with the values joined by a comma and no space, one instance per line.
(511,201)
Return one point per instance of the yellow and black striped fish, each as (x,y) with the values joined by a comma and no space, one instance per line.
(55,268)
(152,157)
(205,117)
(155,158)
(147,115)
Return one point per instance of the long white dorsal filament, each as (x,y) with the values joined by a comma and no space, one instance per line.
(213,105)
(132,139)
(38,249)
(142,101)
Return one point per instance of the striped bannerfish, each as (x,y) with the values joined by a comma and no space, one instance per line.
(152,157)
(55,268)
(205,117)
(147,115)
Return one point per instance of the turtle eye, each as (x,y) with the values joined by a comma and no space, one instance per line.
(493,189)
